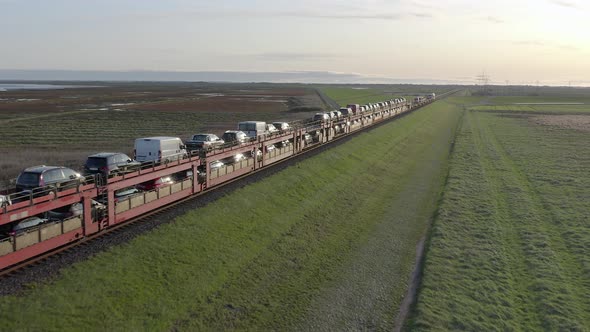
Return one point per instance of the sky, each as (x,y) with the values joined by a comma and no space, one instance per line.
(512,41)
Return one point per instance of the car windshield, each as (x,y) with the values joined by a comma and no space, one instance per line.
(120,158)
(28,178)
(200,137)
(247,126)
(96,162)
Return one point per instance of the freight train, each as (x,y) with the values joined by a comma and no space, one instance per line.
(43,219)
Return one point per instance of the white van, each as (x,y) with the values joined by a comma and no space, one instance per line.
(253,128)
(159,149)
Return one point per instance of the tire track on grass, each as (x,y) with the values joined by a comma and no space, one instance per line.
(543,247)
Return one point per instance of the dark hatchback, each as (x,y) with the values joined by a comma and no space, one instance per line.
(35,178)
(107,163)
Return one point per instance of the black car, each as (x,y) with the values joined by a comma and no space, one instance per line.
(21,226)
(107,163)
(235,137)
(52,177)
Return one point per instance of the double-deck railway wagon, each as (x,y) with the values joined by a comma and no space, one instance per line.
(105,203)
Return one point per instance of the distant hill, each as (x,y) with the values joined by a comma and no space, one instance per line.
(206,76)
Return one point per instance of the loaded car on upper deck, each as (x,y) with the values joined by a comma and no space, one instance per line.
(346,111)
(282,126)
(159,149)
(42,179)
(321,117)
(253,128)
(204,142)
(107,163)
(235,137)
(271,129)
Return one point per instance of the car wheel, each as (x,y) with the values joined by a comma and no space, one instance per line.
(51,190)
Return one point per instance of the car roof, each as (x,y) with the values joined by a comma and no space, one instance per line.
(233,132)
(158,138)
(41,169)
(244,122)
(104,154)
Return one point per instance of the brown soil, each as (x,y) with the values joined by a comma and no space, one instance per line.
(26,108)
(576,122)
(199,97)
(224,104)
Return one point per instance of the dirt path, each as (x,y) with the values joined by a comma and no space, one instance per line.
(404,310)
(328,102)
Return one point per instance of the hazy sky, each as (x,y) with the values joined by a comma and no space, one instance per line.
(516,41)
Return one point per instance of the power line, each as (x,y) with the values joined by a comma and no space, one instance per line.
(484,80)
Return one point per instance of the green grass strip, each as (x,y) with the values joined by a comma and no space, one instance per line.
(507,249)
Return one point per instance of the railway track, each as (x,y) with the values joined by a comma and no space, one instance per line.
(92,242)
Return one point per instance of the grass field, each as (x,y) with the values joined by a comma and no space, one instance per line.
(326,244)
(509,246)
(110,128)
(344,95)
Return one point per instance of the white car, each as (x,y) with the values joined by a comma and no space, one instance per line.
(215,164)
(237,158)
(271,129)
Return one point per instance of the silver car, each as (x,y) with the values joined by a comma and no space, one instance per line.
(281,126)
(26,224)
